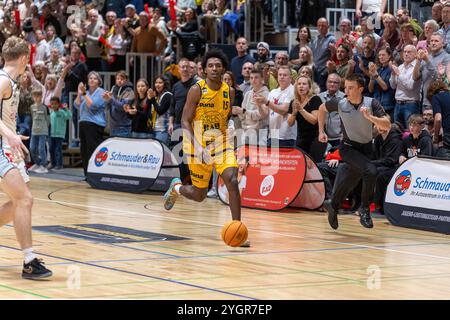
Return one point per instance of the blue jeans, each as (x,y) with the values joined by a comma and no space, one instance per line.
(120,132)
(162,136)
(56,155)
(24,124)
(142,135)
(38,152)
(402,112)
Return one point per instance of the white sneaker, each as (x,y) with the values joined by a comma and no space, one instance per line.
(212,193)
(33,167)
(41,169)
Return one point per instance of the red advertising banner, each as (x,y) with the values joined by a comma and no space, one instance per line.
(269,179)
(312,194)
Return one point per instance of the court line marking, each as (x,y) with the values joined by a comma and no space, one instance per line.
(255,230)
(141,275)
(23,291)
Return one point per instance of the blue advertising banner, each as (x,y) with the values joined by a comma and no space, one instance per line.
(418,195)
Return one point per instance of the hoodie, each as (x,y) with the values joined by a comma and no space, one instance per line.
(388,151)
(423,145)
(120,96)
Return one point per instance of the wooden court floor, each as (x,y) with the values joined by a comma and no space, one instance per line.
(294,255)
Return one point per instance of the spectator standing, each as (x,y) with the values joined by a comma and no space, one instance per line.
(246,73)
(407,94)
(343,68)
(39,132)
(94,31)
(303,39)
(92,116)
(391,35)
(379,84)
(24,109)
(59,115)
(146,36)
(363,60)
(429,62)
(55,65)
(430,28)
(264,54)
(42,52)
(303,110)
(119,42)
(333,121)
(277,106)
(252,121)
(242,57)
(445,30)
(53,40)
(160,99)
(121,93)
(180,90)
(322,51)
(141,112)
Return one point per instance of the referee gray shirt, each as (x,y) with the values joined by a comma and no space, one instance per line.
(354,126)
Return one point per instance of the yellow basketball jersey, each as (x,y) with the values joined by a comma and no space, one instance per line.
(211,114)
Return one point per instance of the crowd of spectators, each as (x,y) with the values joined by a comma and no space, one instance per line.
(405,64)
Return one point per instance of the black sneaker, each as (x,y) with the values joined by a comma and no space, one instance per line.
(364,218)
(35,270)
(332,214)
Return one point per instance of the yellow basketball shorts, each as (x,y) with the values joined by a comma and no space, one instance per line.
(201,171)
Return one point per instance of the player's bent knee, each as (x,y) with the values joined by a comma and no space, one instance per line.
(24,200)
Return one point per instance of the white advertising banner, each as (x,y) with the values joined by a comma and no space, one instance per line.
(418,195)
(128,157)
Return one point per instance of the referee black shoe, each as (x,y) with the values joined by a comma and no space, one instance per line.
(365,218)
(35,270)
(332,214)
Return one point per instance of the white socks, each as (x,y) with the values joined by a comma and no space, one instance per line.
(28,255)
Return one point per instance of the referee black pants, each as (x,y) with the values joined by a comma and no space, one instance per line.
(91,135)
(356,166)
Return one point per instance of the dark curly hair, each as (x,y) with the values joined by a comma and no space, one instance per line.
(215,53)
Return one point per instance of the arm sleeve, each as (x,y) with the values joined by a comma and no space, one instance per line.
(332,105)
(163,105)
(377,109)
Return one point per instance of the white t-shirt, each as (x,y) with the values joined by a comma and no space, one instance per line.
(371,5)
(276,120)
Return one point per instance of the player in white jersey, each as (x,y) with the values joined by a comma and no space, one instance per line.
(16,53)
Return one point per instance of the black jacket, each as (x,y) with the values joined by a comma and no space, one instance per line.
(388,151)
(423,145)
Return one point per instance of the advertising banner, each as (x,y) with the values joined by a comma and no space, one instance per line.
(312,194)
(131,165)
(418,195)
(269,179)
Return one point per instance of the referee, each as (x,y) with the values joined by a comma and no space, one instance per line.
(358,115)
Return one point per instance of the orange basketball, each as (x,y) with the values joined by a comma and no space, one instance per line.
(234,233)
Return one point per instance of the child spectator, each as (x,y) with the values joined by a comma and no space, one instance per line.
(39,132)
(59,115)
(121,93)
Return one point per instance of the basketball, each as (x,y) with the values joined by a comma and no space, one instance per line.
(234,233)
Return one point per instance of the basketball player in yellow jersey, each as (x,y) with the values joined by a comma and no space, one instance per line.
(16,53)
(205,142)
